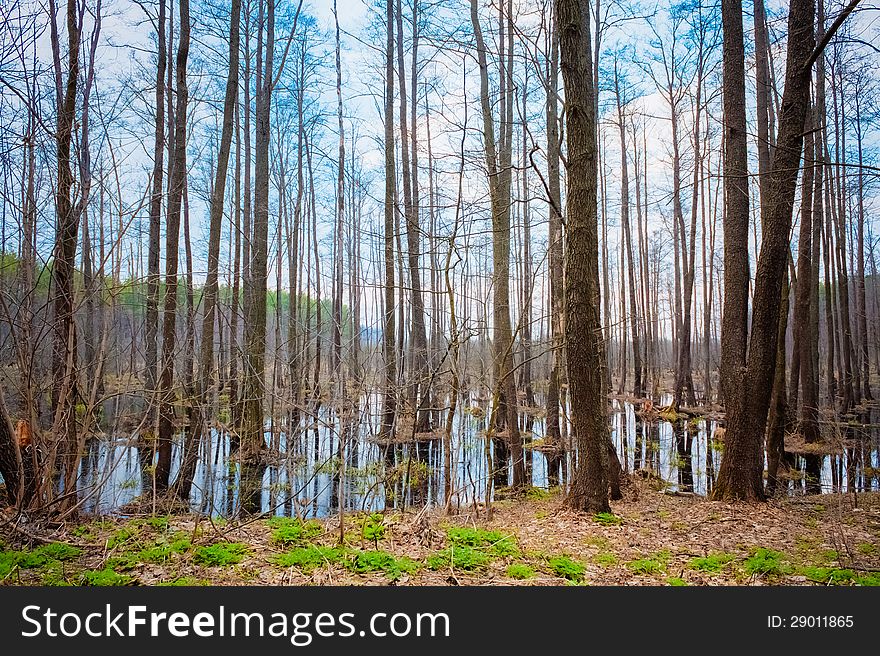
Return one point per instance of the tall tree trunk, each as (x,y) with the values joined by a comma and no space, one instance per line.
(861,305)
(389,403)
(498,164)
(627,235)
(172,238)
(205,379)
(64,389)
(555,452)
(583,328)
(152,307)
(740,476)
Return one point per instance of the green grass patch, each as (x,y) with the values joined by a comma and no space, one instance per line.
(607,519)
(829,575)
(291,530)
(676,582)
(382,561)
(373,528)
(567,568)
(309,558)
(162,551)
(105,577)
(645,566)
(460,557)
(598,541)
(183,581)
(866,548)
(493,542)
(714,562)
(537,494)
(605,559)
(767,562)
(652,564)
(520,571)
(36,558)
(220,554)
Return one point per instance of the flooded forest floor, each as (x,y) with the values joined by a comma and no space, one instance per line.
(652,538)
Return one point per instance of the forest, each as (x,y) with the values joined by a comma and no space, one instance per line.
(439,292)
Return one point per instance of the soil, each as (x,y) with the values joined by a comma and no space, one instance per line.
(652,538)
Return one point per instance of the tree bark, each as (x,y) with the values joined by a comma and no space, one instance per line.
(583,328)
(740,476)
(201,408)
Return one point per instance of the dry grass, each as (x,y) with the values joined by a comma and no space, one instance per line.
(652,538)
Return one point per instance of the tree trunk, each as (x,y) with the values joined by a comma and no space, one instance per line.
(583,328)
(740,476)
(389,403)
(201,408)
(169,318)
(498,164)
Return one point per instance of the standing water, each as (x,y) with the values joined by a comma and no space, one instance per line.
(302,476)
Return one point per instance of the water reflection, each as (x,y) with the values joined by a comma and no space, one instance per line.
(303,476)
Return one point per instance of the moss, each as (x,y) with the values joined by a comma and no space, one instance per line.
(493,542)
(872,579)
(607,519)
(767,562)
(866,548)
(53,575)
(122,537)
(675,581)
(605,559)
(567,568)
(520,571)
(37,558)
(105,577)
(184,581)
(163,550)
(309,557)
(382,561)
(829,575)
(714,562)
(651,564)
(537,494)
(162,523)
(290,530)
(458,557)
(220,554)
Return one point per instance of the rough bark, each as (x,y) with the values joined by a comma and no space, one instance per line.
(740,476)
(583,328)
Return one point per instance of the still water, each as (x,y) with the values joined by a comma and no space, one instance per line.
(302,475)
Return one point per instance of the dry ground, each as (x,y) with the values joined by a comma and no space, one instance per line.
(651,539)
